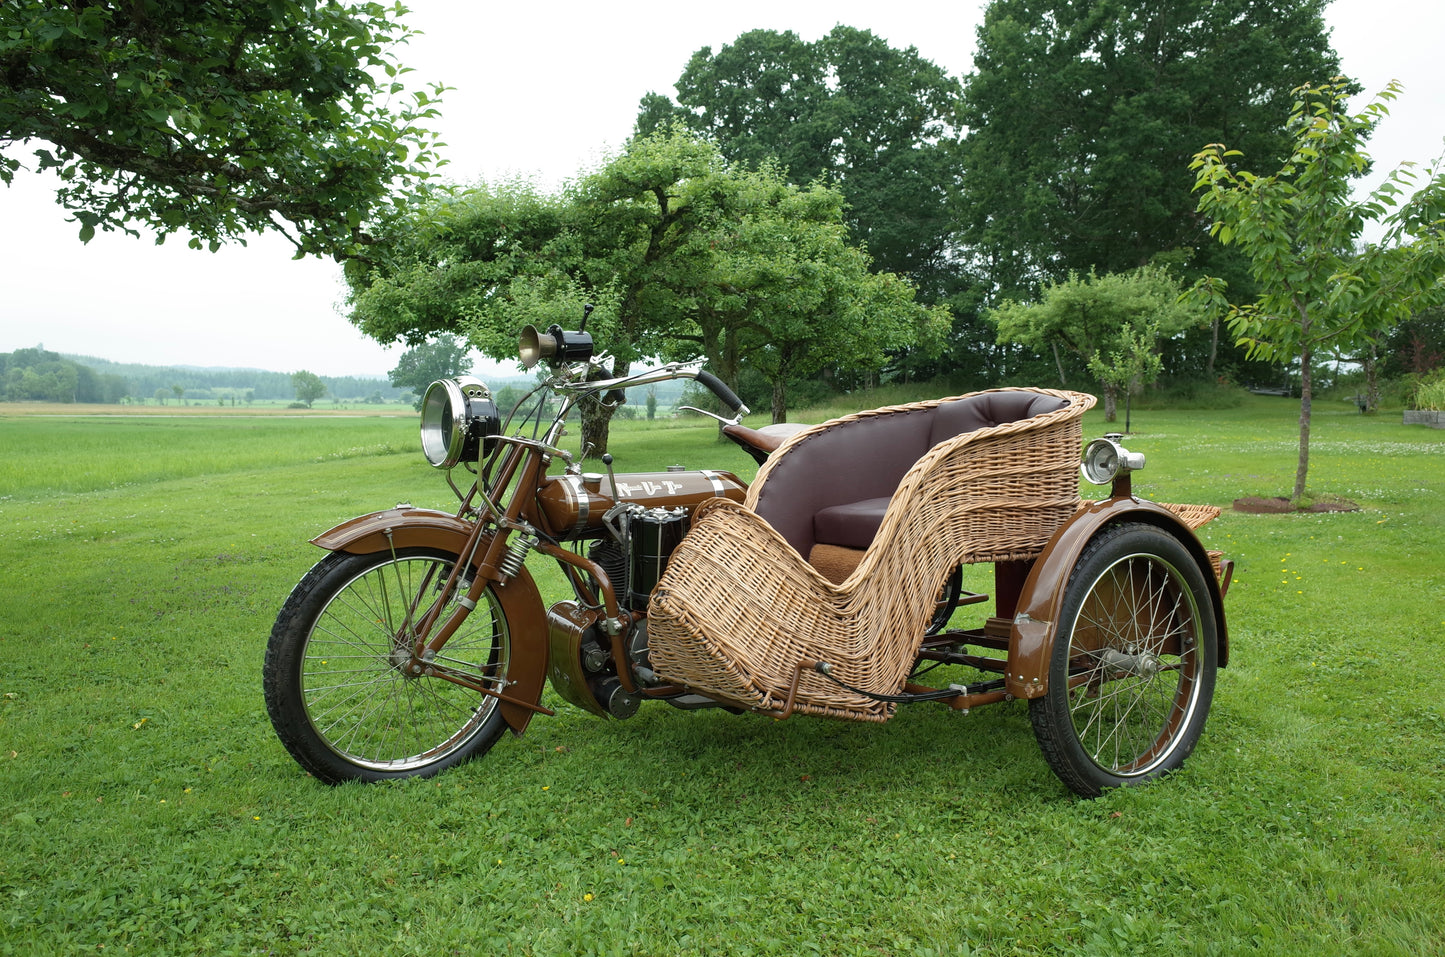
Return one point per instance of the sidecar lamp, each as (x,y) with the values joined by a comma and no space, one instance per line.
(1105,458)
(459,421)
(556,345)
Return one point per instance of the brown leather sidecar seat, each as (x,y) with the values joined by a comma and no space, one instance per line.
(903,494)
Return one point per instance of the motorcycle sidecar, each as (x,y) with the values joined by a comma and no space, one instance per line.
(817,593)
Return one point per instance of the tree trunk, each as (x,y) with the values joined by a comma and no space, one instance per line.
(597,416)
(1213,348)
(1058,364)
(596,426)
(780,400)
(1306,387)
(1372,380)
(1111,404)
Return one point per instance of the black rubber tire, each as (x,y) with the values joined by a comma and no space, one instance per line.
(1133,667)
(946,601)
(335,689)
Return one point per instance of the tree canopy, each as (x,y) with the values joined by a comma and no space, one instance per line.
(1082,119)
(221,119)
(28,375)
(1320,285)
(309,387)
(879,123)
(420,366)
(1113,322)
(682,254)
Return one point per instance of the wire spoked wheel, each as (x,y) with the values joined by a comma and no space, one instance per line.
(1133,666)
(345,694)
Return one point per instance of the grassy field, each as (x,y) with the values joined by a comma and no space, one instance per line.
(148,808)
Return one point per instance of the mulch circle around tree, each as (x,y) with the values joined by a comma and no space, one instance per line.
(1280,505)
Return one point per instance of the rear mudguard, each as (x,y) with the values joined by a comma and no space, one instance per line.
(405,527)
(1035,623)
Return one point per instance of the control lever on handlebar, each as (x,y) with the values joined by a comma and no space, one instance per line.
(728,397)
(612,479)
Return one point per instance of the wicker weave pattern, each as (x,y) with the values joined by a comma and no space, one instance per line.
(1197,516)
(739,608)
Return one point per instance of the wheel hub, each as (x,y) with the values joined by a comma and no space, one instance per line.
(1119,664)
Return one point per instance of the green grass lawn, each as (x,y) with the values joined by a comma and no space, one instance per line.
(148,808)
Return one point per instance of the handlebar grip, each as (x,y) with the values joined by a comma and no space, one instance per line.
(720,389)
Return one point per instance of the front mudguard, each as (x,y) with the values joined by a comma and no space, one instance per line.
(405,527)
(1035,622)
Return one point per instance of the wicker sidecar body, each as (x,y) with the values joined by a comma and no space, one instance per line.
(831,584)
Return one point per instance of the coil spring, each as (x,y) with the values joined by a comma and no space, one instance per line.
(517,550)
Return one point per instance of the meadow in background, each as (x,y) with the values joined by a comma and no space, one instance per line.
(149,808)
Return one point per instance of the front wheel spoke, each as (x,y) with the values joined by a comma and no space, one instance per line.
(316,691)
(364,722)
(344,712)
(336,631)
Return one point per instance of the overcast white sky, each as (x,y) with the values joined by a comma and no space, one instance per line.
(542,89)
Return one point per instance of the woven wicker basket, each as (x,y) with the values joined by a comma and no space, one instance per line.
(739,609)
(1196,516)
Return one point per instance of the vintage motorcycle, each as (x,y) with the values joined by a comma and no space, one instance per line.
(827,586)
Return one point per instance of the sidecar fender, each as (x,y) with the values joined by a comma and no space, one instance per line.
(405,527)
(1035,623)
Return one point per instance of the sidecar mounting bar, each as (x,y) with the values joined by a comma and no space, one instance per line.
(957,697)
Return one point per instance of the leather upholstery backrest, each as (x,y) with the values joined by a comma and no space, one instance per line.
(987,410)
(845,463)
(868,457)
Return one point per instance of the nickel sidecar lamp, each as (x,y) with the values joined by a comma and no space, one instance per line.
(1105,459)
(556,345)
(458,421)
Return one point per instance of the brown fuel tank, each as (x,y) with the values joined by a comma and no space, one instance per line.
(573,505)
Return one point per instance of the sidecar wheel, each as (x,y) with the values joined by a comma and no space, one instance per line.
(335,680)
(1133,666)
(946,601)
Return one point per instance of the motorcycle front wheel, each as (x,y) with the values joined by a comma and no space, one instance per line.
(1133,666)
(337,681)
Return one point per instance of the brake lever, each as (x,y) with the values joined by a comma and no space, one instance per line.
(735,420)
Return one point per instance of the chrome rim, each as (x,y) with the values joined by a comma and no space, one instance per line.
(1134,662)
(356,687)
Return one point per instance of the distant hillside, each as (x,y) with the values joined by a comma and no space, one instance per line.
(211,382)
(39,375)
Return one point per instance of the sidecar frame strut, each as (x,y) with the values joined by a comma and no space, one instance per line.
(957,697)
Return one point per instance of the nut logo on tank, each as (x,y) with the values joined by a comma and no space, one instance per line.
(649,488)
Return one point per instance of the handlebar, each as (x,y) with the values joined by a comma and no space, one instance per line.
(720,389)
(671,371)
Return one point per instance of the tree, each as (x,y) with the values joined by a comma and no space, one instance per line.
(880,124)
(419,367)
(1081,118)
(676,249)
(309,386)
(1113,322)
(1417,345)
(222,119)
(1321,287)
